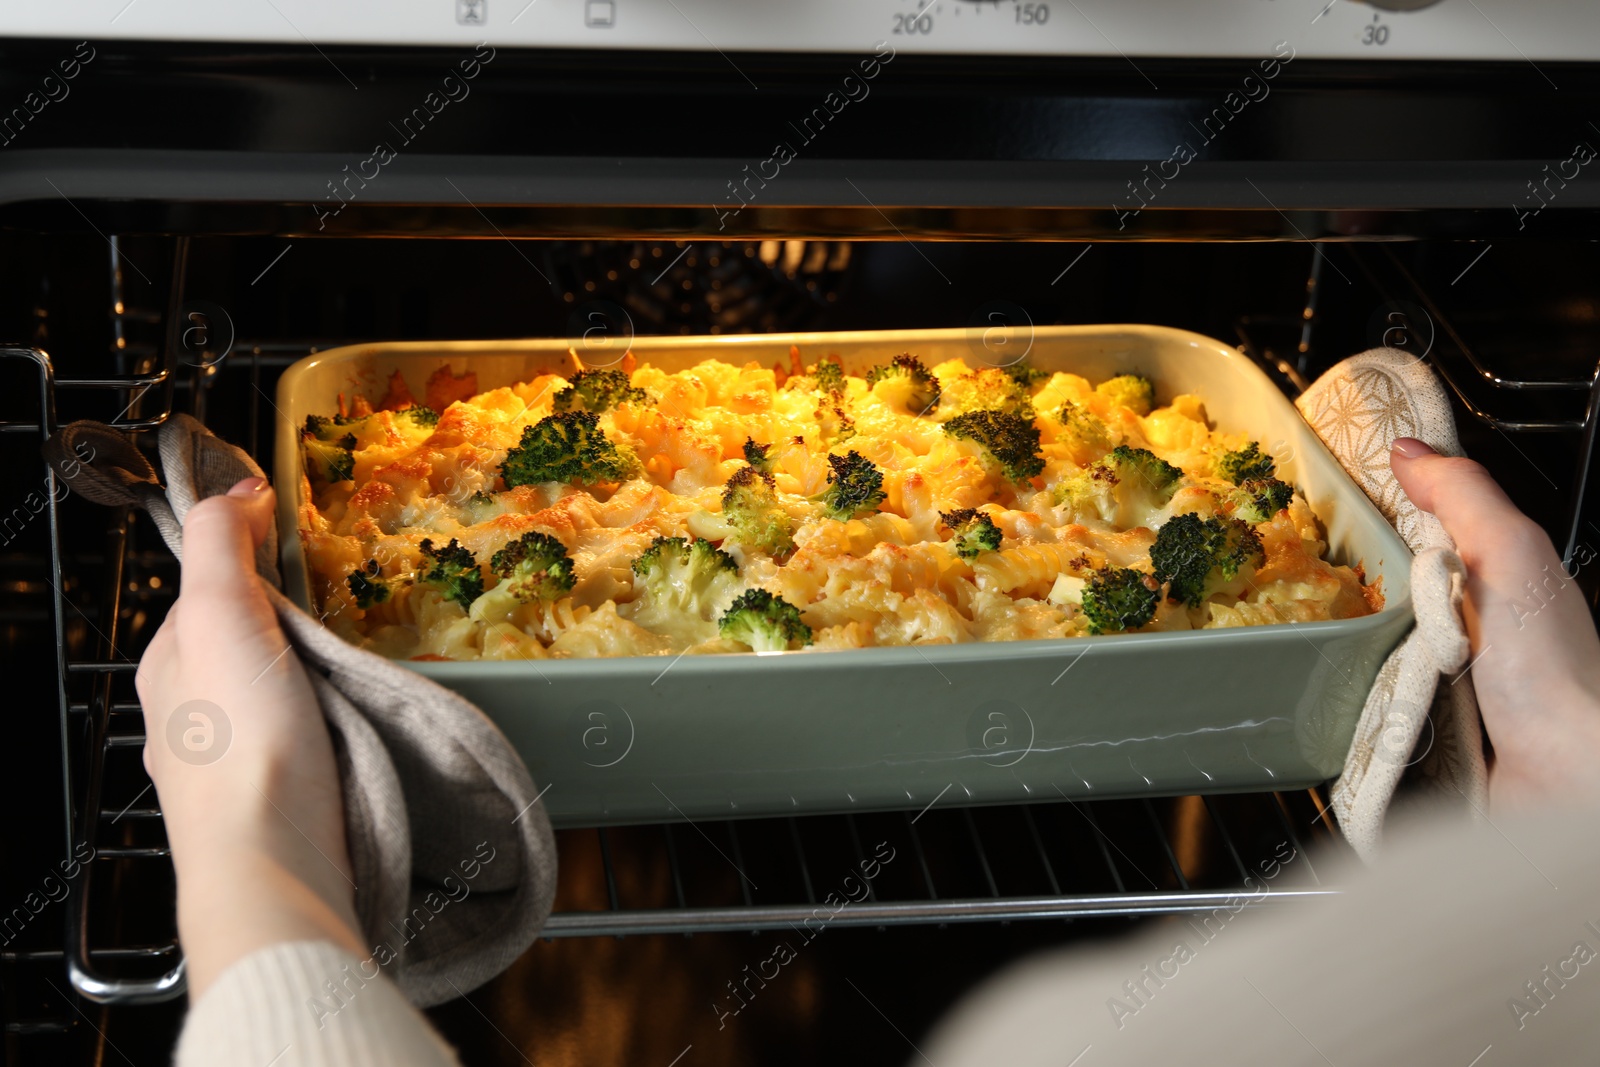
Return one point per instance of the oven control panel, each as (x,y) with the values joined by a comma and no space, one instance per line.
(1512,30)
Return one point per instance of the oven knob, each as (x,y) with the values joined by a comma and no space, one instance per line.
(1401,5)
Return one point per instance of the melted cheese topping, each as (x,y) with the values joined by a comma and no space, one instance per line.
(885,579)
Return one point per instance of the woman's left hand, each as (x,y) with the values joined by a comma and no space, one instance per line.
(241,758)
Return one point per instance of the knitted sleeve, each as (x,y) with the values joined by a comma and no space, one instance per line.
(308,1004)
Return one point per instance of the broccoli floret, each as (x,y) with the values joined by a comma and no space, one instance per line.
(1258,499)
(416,417)
(369,586)
(332,428)
(1025,375)
(481,507)
(534,567)
(1200,558)
(1074,417)
(765,458)
(1093,492)
(911,386)
(974,532)
(1011,441)
(330,461)
(823,377)
(1145,464)
(765,622)
(568,446)
(1119,598)
(750,505)
(833,410)
(452,570)
(328,428)
(855,487)
(329,442)
(1247,464)
(758,455)
(681,561)
(1132,391)
(1123,488)
(828,375)
(597,391)
(833,419)
(683,581)
(1083,432)
(988,389)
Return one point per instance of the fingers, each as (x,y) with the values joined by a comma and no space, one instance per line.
(1487,527)
(1535,655)
(1521,602)
(220,534)
(258,498)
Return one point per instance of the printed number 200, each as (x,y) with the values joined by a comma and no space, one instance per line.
(912,24)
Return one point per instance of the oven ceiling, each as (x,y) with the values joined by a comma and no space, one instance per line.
(187,138)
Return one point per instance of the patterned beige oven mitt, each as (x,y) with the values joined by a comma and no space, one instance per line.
(1358,408)
(453,855)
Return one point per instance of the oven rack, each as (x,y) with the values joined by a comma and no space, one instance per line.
(94,696)
(1054,860)
(1467,376)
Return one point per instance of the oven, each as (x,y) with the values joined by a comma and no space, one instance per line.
(191,202)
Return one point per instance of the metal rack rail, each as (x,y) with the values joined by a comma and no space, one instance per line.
(1566,404)
(1061,860)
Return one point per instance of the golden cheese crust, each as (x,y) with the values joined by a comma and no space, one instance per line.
(889,578)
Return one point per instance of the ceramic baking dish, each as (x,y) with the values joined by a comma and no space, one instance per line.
(644,738)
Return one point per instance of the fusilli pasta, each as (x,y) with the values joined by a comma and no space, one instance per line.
(949,545)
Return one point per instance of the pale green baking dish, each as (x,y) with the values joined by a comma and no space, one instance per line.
(636,739)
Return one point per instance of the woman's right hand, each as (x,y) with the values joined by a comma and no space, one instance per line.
(1535,653)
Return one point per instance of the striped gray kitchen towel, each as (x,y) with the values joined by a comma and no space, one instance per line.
(428,780)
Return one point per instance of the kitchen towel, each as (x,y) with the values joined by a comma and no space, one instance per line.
(430,784)
(1358,408)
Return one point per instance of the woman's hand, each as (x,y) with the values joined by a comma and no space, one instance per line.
(240,756)
(1536,658)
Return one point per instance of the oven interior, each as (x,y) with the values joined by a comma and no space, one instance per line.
(655,934)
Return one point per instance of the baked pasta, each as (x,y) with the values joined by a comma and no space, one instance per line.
(723,508)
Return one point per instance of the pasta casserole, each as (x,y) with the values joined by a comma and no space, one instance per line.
(724,508)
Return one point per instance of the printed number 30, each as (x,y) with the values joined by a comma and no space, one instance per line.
(1375,35)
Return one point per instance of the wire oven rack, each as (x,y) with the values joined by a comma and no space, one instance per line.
(1056,861)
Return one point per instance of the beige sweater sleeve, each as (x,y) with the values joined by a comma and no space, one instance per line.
(1474,946)
(307,1004)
